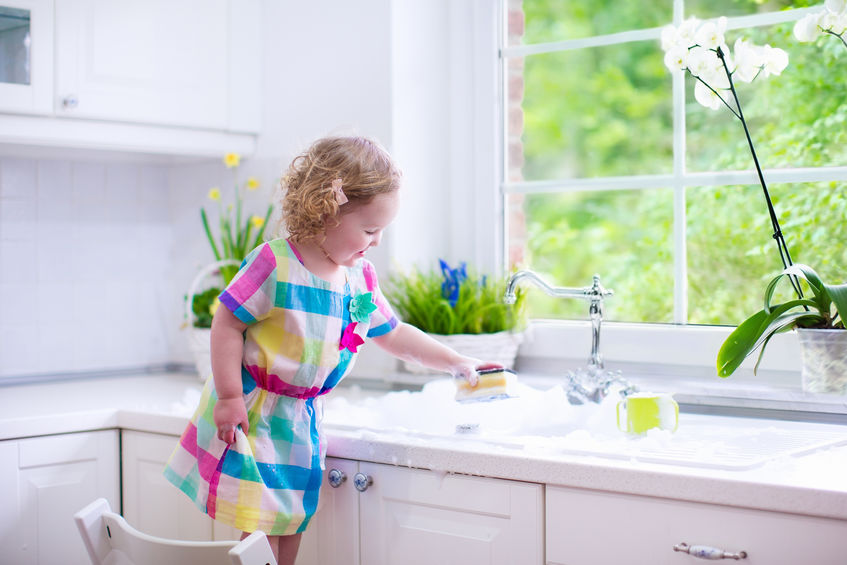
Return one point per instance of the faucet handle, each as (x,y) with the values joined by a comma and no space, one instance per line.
(597,290)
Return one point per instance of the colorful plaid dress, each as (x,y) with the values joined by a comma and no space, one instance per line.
(302,338)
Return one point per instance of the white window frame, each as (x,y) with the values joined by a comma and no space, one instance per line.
(675,356)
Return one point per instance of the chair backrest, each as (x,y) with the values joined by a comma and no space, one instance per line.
(110,540)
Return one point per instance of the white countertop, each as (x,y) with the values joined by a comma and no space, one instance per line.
(813,483)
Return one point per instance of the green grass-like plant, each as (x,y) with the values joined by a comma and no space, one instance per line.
(418,298)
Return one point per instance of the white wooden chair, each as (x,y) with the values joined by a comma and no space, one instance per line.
(110,540)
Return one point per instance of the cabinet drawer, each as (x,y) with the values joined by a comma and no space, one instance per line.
(588,527)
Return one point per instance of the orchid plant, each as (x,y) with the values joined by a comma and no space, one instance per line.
(238,235)
(700,49)
(829,20)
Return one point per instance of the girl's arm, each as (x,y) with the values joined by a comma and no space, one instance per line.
(411,344)
(227,351)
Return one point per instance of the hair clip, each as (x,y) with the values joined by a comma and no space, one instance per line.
(340,197)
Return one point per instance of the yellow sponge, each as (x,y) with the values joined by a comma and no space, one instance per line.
(493,385)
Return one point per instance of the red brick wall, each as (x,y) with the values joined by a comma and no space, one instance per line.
(516,243)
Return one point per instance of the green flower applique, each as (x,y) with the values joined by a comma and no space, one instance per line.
(361,307)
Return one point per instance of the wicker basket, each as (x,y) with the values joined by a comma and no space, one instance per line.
(199,339)
(500,347)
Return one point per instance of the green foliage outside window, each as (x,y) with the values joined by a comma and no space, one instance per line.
(606,111)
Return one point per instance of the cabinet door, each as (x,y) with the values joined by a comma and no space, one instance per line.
(26,56)
(157,61)
(413,516)
(585,528)
(332,537)
(45,481)
(151,503)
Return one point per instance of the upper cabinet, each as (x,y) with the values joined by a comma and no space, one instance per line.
(162,76)
(26,56)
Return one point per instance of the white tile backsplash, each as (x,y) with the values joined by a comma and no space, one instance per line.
(96,257)
(85,260)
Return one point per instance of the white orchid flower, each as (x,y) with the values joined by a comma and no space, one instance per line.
(687,31)
(703,62)
(748,60)
(808,28)
(670,38)
(834,23)
(711,34)
(706,96)
(676,58)
(775,60)
(836,6)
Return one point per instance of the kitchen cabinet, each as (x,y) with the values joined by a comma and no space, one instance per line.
(587,527)
(404,515)
(44,481)
(157,62)
(160,76)
(26,52)
(153,505)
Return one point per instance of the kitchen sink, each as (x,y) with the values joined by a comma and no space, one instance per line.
(542,422)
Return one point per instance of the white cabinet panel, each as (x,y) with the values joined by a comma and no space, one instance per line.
(151,503)
(414,516)
(45,481)
(29,88)
(585,528)
(332,538)
(158,61)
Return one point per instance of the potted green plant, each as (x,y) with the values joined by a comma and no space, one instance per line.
(238,234)
(462,309)
(819,319)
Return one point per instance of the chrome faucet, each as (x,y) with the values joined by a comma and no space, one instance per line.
(590,383)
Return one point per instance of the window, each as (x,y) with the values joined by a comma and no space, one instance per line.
(611,167)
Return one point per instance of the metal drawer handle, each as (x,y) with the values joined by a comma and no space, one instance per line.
(706,552)
(336,477)
(362,481)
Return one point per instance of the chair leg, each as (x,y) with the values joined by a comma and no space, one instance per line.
(253,550)
(89,521)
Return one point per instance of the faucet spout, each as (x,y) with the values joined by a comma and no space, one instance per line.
(555,291)
(590,383)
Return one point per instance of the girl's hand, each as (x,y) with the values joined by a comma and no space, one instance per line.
(228,414)
(467,367)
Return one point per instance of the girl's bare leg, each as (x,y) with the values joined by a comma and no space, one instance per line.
(288,546)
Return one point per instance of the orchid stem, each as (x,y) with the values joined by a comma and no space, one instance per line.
(716,93)
(784,254)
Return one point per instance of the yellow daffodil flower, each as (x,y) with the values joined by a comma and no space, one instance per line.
(232,160)
(252,183)
(257,221)
(215,193)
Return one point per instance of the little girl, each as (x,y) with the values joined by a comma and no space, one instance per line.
(289,330)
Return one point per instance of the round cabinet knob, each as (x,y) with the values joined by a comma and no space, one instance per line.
(362,482)
(336,477)
(70,102)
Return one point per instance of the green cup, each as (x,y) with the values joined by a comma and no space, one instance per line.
(647,410)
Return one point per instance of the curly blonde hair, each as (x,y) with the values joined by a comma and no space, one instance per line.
(308,200)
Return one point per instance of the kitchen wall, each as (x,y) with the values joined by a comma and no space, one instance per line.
(85,249)
(97,250)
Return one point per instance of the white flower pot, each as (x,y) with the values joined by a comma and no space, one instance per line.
(824,360)
(200,343)
(199,339)
(500,347)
